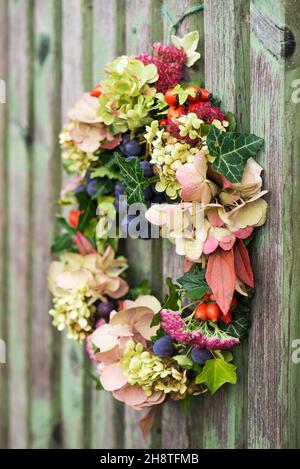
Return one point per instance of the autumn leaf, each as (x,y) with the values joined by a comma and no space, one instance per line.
(221,278)
(242,263)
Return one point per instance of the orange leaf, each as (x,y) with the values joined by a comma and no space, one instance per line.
(221,278)
(242,263)
(83,244)
(146,422)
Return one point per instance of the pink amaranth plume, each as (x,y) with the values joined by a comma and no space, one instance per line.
(206,112)
(176,328)
(169,62)
(174,130)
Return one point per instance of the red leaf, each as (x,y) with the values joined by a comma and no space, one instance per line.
(146,422)
(242,263)
(221,278)
(83,244)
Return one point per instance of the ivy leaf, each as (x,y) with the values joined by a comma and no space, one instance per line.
(134,180)
(171,302)
(184,361)
(215,373)
(104,186)
(105,171)
(193,282)
(240,319)
(231,151)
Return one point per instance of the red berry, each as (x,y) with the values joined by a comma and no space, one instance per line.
(171,98)
(96,91)
(201,94)
(201,312)
(164,122)
(74,217)
(213,312)
(206,297)
(226,318)
(175,112)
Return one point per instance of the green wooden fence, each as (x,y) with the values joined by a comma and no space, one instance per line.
(51,50)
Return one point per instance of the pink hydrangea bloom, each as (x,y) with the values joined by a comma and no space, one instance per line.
(175,327)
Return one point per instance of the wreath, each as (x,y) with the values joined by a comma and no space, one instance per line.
(151,155)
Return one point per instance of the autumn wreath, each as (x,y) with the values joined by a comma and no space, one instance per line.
(151,155)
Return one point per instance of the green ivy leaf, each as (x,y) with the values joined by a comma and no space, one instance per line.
(134,180)
(104,186)
(240,324)
(184,361)
(193,282)
(104,171)
(215,373)
(231,151)
(171,301)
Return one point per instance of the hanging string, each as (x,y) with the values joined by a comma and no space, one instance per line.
(173,25)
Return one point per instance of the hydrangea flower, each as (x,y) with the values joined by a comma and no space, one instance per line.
(127,97)
(151,372)
(109,342)
(75,312)
(195,187)
(99,274)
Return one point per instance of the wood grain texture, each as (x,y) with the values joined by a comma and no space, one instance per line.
(220,418)
(142,28)
(73,356)
(106,415)
(19,196)
(49,55)
(273,377)
(175,426)
(3,225)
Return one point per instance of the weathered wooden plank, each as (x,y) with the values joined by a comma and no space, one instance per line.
(19,153)
(273,377)
(174,424)
(104,409)
(45,101)
(3,223)
(220,419)
(73,355)
(55,184)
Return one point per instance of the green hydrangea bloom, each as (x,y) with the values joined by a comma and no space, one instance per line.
(190,125)
(152,373)
(127,98)
(74,313)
